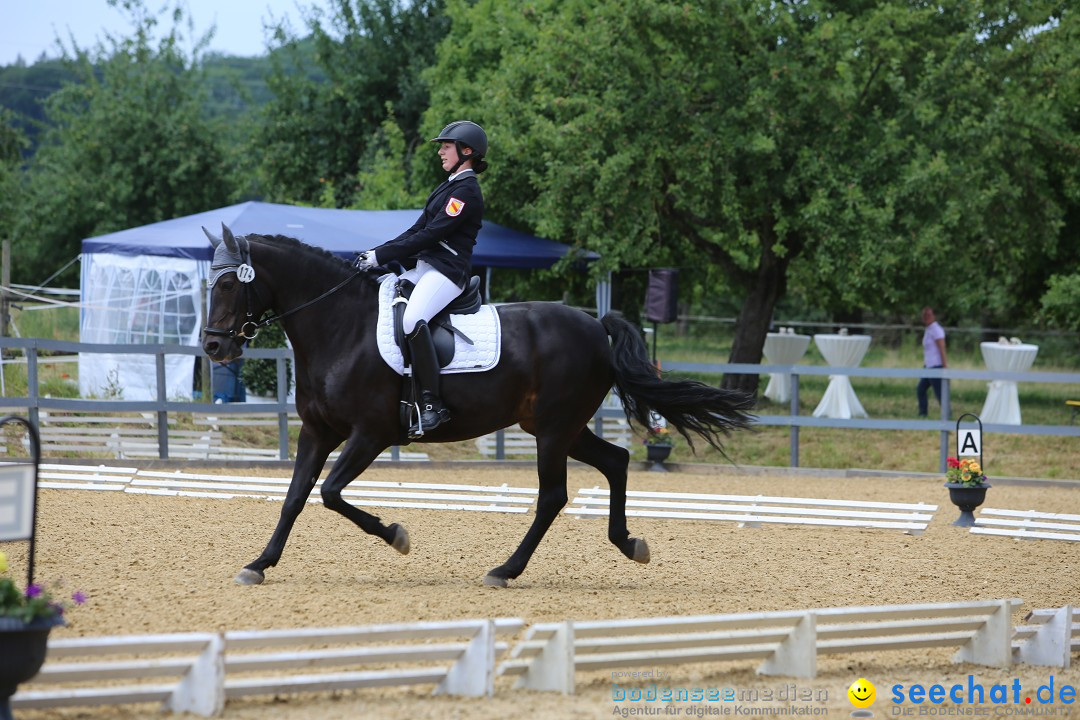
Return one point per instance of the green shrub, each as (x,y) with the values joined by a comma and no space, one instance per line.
(260,376)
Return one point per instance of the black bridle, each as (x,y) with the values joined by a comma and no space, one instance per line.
(249,330)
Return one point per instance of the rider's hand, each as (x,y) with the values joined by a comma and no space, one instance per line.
(365,260)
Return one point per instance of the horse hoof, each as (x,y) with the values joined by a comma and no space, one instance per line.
(494,581)
(249,577)
(401,540)
(641,552)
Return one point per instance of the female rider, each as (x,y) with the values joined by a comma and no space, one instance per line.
(441,244)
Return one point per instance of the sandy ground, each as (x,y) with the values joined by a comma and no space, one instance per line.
(160,564)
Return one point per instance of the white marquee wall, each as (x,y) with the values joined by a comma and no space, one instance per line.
(139,299)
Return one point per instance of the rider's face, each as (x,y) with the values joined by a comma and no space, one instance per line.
(449,155)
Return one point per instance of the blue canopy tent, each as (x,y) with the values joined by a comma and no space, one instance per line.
(342,232)
(144,284)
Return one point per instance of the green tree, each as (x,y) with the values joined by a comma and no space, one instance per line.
(12,143)
(330,91)
(382,182)
(126,144)
(869,154)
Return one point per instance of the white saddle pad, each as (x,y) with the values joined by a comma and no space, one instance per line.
(482,327)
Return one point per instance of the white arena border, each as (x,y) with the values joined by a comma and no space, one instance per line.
(789,642)
(365,493)
(753,510)
(1027,524)
(198,666)
(203,670)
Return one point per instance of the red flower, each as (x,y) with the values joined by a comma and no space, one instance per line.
(952,462)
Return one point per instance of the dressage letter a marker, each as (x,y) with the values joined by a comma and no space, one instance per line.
(969,443)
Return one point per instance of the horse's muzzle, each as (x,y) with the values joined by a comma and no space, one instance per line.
(221,350)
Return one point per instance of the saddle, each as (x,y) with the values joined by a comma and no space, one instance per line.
(442,330)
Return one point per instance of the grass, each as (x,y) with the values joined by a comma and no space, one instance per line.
(53,323)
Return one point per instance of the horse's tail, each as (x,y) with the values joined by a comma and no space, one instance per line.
(689,405)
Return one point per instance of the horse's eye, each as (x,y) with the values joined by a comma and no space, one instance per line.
(228,285)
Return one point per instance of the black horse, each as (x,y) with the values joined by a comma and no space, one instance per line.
(557,366)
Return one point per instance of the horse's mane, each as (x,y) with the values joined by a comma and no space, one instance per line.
(292,244)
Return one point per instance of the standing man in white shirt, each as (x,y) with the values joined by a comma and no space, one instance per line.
(933,344)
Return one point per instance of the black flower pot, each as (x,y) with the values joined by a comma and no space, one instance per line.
(967,498)
(657,454)
(22,653)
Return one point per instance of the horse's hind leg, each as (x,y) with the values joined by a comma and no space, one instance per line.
(551,467)
(612,461)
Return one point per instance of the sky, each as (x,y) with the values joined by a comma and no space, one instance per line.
(30,27)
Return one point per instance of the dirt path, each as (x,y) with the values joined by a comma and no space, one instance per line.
(159,564)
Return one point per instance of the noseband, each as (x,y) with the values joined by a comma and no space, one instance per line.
(245,273)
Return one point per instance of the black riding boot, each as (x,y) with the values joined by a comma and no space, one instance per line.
(425,370)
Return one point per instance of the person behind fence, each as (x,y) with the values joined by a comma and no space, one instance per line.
(228,383)
(933,344)
(438,248)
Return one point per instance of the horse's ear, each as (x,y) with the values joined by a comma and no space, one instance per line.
(227,236)
(214,240)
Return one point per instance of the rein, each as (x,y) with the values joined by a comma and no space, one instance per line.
(252,333)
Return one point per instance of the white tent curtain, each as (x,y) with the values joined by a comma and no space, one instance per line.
(139,299)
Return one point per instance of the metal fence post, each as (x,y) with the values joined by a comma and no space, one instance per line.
(794,461)
(946,412)
(500,444)
(32,383)
(162,413)
(283,415)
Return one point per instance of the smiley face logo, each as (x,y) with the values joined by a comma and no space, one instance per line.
(862,693)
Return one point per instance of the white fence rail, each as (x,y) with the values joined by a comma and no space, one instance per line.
(203,670)
(787,642)
(365,493)
(755,510)
(515,441)
(1027,524)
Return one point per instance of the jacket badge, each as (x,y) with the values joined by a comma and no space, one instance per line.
(454,207)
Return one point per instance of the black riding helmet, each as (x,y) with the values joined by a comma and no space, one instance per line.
(464,133)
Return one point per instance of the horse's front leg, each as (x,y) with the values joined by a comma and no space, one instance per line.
(311,454)
(358,453)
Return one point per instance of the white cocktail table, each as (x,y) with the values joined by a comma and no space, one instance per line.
(840,400)
(783,349)
(1002,404)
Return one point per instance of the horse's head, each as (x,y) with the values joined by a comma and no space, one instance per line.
(235,305)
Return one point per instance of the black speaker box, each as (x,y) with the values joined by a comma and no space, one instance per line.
(662,296)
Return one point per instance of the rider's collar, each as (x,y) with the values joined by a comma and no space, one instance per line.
(460,173)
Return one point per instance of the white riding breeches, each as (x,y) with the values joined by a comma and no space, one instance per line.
(432,293)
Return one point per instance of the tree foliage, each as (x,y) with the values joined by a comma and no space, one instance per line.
(12,142)
(870,155)
(330,94)
(126,145)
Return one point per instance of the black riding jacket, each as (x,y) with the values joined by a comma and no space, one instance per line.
(445,233)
